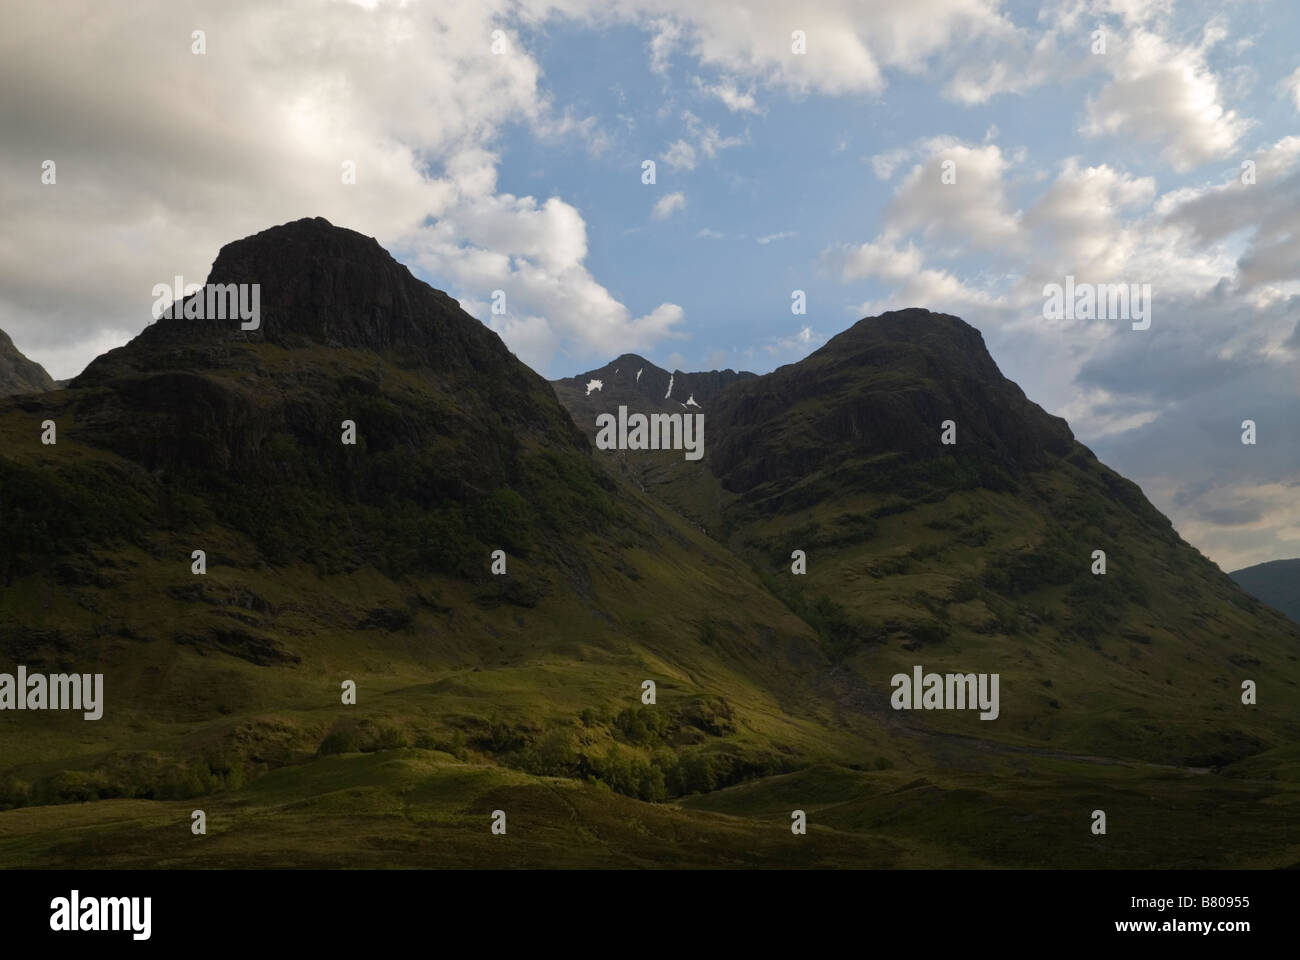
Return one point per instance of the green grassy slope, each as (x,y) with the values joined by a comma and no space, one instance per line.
(522,692)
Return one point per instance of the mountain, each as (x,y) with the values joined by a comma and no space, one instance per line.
(1276,582)
(375,564)
(18,374)
(371,563)
(979,554)
(637,384)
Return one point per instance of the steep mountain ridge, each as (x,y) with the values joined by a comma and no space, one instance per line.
(374,560)
(1009,549)
(879,392)
(19,374)
(373,563)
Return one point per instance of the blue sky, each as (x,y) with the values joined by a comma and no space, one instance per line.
(499,146)
(799,174)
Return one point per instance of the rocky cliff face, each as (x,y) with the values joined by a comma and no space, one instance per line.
(320,285)
(18,374)
(1012,538)
(450,427)
(876,395)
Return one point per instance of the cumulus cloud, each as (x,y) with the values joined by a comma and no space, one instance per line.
(154,177)
(680,155)
(847,52)
(668,204)
(1166,95)
(1291,85)
(912,284)
(732,98)
(957,189)
(795,346)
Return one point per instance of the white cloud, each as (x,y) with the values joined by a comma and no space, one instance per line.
(772,237)
(667,33)
(732,98)
(848,49)
(1168,96)
(971,204)
(153,178)
(707,139)
(795,346)
(1291,85)
(680,155)
(912,283)
(884,164)
(669,204)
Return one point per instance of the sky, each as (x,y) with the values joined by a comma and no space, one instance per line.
(958,155)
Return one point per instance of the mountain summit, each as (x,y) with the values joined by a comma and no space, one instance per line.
(325,286)
(913,505)
(872,400)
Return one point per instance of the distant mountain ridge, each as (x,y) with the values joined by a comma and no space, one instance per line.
(1276,582)
(635,381)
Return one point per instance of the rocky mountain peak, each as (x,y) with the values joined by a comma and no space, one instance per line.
(317,285)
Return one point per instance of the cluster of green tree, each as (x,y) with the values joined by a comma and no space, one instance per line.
(146,778)
(643,760)
(661,773)
(644,725)
(364,737)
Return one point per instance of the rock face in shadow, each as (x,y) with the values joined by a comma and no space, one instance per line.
(452,431)
(655,390)
(18,374)
(320,285)
(876,396)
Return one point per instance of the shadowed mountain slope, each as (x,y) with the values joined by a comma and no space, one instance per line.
(1277,583)
(981,554)
(374,564)
(370,562)
(18,374)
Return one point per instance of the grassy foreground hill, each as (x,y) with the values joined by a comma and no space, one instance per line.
(522,692)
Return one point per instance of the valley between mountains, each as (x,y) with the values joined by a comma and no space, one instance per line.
(522,692)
